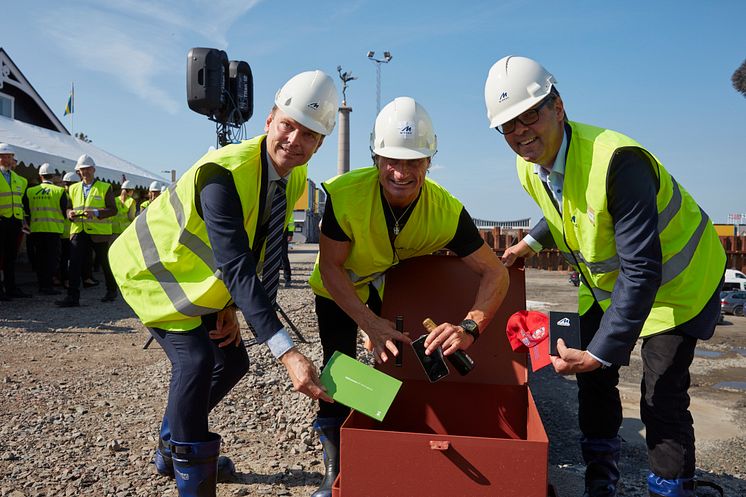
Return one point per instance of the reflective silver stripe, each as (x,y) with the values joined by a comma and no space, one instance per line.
(606,266)
(189,239)
(6,194)
(668,213)
(163,276)
(47,220)
(52,209)
(676,264)
(600,294)
(568,257)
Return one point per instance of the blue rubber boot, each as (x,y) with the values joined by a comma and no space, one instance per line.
(601,456)
(661,487)
(328,431)
(196,466)
(164,464)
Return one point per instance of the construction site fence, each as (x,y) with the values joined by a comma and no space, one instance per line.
(552,260)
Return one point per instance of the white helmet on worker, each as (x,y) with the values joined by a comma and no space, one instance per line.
(155,186)
(71,177)
(6,149)
(84,161)
(514,85)
(403,130)
(45,169)
(310,98)
(164,187)
(127,185)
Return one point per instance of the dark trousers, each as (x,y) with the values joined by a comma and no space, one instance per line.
(10,230)
(65,259)
(47,246)
(81,245)
(201,375)
(338,331)
(664,405)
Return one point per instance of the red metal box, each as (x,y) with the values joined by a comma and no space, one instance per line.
(473,435)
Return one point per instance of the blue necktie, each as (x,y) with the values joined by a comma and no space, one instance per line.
(273,250)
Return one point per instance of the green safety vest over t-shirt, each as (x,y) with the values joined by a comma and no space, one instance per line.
(44,206)
(11,195)
(164,263)
(358,207)
(693,257)
(96,200)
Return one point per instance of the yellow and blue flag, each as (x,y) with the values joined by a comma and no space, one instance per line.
(70,107)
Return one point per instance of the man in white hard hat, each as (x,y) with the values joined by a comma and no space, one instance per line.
(154,191)
(46,206)
(126,206)
(12,190)
(650,263)
(92,208)
(196,255)
(374,218)
(67,180)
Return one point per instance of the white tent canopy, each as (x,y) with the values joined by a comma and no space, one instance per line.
(35,145)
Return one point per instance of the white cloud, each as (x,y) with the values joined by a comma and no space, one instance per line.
(437,167)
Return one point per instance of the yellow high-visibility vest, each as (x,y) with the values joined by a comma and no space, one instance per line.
(11,195)
(96,200)
(44,206)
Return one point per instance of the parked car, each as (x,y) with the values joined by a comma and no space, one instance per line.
(732,302)
(574,278)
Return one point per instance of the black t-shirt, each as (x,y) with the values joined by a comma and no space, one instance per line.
(465,241)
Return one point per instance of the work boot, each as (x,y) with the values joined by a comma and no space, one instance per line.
(111,296)
(49,291)
(601,456)
(196,466)
(660,487)
(68,301)
(164,465)
(328,430)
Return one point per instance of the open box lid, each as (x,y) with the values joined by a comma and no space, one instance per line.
(443,288)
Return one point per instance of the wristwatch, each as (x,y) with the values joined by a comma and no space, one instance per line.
(470,327)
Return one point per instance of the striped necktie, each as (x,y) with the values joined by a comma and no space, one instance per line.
(273,250)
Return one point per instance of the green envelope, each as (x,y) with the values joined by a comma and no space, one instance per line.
(358,386)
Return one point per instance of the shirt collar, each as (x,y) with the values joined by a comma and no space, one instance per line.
(559,162)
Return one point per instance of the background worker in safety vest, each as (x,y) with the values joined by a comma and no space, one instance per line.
(374,218)
(46,205)
(233,204)
(154,191)
(287,238)
(126,206)
(68,179)
(91,210)
(12,190)
(650,263)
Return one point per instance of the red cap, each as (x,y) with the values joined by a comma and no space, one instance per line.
(528,331)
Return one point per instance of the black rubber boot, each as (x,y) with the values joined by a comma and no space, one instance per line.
(328,431)
(601,456)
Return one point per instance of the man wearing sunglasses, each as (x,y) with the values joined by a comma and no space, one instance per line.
(650,263)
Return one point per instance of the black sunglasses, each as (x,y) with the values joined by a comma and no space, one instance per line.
(527,118)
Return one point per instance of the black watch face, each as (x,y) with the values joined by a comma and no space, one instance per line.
(469,326)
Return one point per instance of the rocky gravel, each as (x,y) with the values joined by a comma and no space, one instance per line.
(81,403)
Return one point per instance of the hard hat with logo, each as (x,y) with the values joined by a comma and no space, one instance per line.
(403,130)
(514,85)
(71,177)
(84,161)
(311,99)
(155,187)
(46,169)
(6,149)
(127,185)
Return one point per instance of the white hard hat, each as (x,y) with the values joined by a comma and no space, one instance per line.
(84,161)
(514,85)
(71,177)
(403,130)
(45,169)
(127,185)
(164,188)
(311,99)
(6,149)
(155,187)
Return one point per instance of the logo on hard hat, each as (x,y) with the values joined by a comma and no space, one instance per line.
(406,129)
(503,97)
(313,105)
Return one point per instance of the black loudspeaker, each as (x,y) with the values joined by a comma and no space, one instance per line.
(207,72)
(240,105)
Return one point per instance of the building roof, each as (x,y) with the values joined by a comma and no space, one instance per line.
(35,145)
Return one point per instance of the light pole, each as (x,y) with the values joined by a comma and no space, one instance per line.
(173,175)
(386,59)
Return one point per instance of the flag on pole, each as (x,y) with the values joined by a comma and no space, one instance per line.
(70,107)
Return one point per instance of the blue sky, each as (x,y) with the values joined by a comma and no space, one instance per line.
(657,71)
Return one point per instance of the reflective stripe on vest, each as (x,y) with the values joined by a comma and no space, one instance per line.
(44,207)
(692,254)
(359,211)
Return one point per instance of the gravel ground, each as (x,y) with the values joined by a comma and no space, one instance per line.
(81,402)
